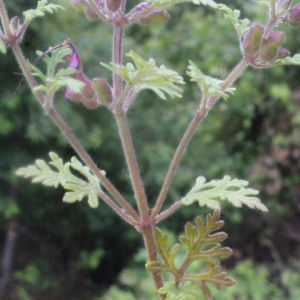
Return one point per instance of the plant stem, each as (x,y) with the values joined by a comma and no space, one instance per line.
(89,162)
(168,212)
(132,166)
(70,136)
(150,245)
(97,11)
(272,9)
(5,20)
(231,78)
(200,115)
(145,227)
(117,57)
(117,209)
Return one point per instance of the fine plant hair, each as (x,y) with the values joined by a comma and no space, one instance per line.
(261,47)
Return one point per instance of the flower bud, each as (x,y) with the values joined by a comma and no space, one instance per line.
(113,5)
(271,45)
(15,25)
(282,9)
(87,96)
(78,4)
(253,39)
(294,16)
(156,16)
(84,6)
(139,9)
(102,90)
(283,53)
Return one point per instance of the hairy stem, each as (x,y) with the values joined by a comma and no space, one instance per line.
(122,213)
(70,136)
(146,227)
(231,78)
(168,212)
(200,115)
(89,162)
(5,20)
(150,245)
(132,166)
(272,9)
(117,57)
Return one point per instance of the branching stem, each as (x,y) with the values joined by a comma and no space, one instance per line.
(200,114)
(206,104)
(70,136)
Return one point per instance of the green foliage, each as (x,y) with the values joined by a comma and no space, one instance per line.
(185,291)
(209,86)
(146,75)
(263,3)
(212,192)
(201,245)
(42,7)
(295,60)
(2,46)
(54,80)
(241,26)
(210,3)
(8,208)
(77,188)
(254,282)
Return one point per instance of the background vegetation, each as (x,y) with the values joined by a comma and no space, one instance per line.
(74,252)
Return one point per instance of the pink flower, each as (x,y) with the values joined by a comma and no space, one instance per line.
(74,61)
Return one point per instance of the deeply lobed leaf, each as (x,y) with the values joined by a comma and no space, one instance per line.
(54,79)
(42,7)
(209,86)
(77,188)
(201,244)
(146,75)
(211,193)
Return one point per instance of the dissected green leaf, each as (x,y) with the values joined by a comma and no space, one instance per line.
(234,191)
(42,7)
(263,3)
(2,46)
(185,291)
(146,75)
(201,244)
(55,79)
(210,3)
(241,26)
(61,174)
(294,60)
(209,86)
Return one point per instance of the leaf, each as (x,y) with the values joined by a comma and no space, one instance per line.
(146,75)
(54,79)
(185,291)
(42,7)
(263,3)
(201,244)
(77,188)
(209,86)
(211,193)
(241,26)
(211,3)
(294,60)
(2,46)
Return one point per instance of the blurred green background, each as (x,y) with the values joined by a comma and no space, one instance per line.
(65,251)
